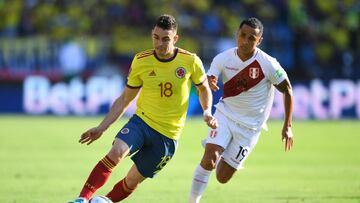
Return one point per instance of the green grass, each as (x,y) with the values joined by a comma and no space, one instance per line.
(41,162)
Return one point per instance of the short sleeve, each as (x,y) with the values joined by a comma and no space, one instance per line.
(215,67)
(133,79)
(198,76)
(275,73)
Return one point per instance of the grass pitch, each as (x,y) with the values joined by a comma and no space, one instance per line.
(41,162)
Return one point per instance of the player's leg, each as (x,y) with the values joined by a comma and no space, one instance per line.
(238,150)
(154,154)
(127,185)
(211,155)
(224,171)
(216,141)
(103,169)
(203,171)
(119,151)
(129,135)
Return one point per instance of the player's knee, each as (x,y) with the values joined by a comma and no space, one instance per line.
(114,155)
(132,182)
(212,154)
(208,162)
(222,178)
(118,152)
(134,178)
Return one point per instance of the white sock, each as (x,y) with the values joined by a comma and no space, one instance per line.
(199,183)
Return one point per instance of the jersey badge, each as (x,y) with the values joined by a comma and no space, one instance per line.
(180,72)
(279,73)
(152,73)
(125,131)
(254,72)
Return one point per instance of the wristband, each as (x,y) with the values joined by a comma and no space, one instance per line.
(207,112)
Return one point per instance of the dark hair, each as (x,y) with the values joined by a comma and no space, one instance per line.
(254,23)
(166,22)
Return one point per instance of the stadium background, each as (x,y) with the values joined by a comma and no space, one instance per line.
(72,57)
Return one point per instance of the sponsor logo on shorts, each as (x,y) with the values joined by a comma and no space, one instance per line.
(125,131)
(213,133)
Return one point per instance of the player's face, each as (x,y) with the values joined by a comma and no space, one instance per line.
(247,40)
(164,42)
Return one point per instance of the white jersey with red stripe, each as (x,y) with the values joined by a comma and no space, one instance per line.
(248,86)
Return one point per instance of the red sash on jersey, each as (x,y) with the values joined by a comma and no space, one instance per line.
(247,78)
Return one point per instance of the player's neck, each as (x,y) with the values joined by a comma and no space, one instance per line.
(166,56)
(245,56)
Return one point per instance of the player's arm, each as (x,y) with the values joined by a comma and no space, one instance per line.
(214,71)
(117,110)
(213,80)
(285,88)
(205,98)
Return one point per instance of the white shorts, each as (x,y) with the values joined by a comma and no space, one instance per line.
(237,140)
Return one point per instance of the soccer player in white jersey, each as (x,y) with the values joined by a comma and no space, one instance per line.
(250,77)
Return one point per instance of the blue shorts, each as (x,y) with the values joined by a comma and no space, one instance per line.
(149,149)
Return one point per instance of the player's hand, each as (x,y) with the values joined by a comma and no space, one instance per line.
(91,135)
(212,80)
(211,121)
(287,137)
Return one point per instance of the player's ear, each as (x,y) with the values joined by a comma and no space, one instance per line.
(259,42)
(176,38)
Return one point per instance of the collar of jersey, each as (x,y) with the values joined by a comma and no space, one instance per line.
(168,59)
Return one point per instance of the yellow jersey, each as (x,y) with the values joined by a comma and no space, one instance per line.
(165,88)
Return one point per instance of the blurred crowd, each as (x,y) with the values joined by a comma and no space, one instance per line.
(310,38)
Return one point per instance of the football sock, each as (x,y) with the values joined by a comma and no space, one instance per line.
(199,183)
(120,191)
(97,177)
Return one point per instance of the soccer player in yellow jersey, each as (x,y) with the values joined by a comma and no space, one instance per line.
(163,77)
